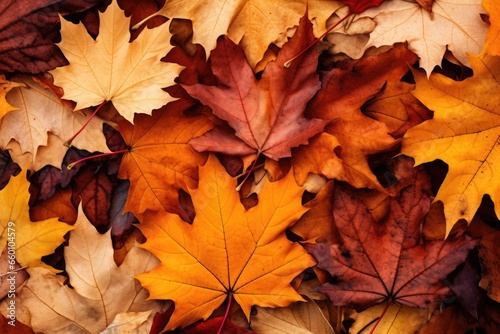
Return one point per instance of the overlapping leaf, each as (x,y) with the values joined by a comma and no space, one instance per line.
(32,240)
(110,68)
(464,133)
(105,296)
(387,261)
(159,161)
(254,24)
(28,31)
(41,123)
(454,24)
(341,152)
(227,250)
(267,115)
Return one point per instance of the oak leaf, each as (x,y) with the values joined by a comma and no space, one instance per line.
(159,163)
(464,133)
(39,113)
(267,115)
(227,251)
(387,261)
(253,24)
(32,239)
(454,24)
(103,295)
(110,68)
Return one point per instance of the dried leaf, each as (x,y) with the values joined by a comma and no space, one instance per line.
(111,69)
(387,261)
(229,252)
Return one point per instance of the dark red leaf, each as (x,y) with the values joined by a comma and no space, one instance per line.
(359,6)
(28,30)
(389,260)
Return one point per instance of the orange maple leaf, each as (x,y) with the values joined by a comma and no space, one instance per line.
(227,251)
(464,133)
(159,162)
(342,151)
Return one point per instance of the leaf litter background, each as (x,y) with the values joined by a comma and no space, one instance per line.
(358,184)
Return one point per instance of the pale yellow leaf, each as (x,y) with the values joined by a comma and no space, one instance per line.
(453,24)
(110,68)
(40,112)
(101,291)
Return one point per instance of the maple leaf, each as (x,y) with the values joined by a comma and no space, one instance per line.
(266,114)
(227,251)
(160,163)
(5,87)
(27,32)
(112,69)
(464,133)
(39,113)
(104,295)
(492,45)
(387,261)
(453,24)
(32,239)
(298,318)
(253,24)
(397,319)
(343,156)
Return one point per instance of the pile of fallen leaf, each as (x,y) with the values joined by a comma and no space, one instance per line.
(236,177)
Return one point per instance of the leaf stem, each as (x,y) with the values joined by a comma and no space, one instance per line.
(67,143)
(73,164)
(226,314)
(14,270)
(289,62)
(380,318)
(238,188)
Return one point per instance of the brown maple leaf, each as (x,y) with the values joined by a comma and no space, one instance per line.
(387,261)
(28,30)
(267,115)
(159,162)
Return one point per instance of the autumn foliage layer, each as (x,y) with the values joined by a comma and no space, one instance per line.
(249,166)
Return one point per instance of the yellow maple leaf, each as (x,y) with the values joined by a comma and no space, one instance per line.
(492,44)
(30,240)
(464,133)
(254,24)
(5,87)
(110,68)
(227,251)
